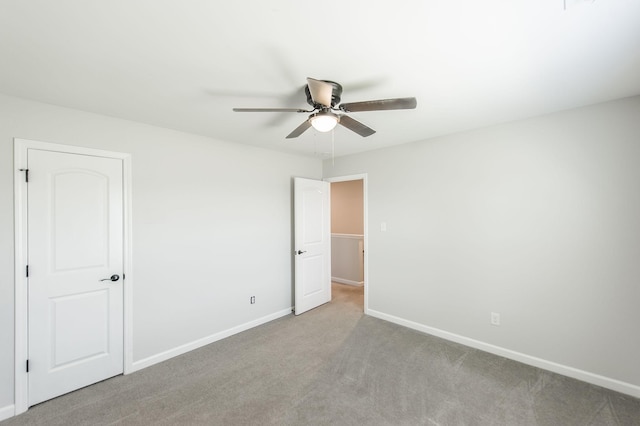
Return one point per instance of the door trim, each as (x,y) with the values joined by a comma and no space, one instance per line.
(20,148)
(365,211)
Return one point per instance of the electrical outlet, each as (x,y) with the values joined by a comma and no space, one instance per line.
(495,318)
(252,300)
(383,226)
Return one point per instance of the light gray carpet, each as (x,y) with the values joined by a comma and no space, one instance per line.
(334,366)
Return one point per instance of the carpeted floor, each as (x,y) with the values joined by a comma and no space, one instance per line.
(335,366)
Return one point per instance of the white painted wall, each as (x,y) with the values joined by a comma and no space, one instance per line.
(537,220)
(202,211)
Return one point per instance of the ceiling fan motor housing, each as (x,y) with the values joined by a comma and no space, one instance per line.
(335,94)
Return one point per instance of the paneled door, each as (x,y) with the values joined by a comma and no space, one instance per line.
(75,276)
(312,228)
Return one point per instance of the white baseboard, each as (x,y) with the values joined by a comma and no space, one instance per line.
(7,412)
(585,376)
(163,356)
(348,282)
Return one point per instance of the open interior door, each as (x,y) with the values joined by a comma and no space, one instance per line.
(312,228)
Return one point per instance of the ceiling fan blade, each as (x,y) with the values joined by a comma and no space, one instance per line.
(299,130)
(270,110)
(380,105)
(356,126)
(321,92)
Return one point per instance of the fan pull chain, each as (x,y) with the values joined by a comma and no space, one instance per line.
(315,144)
(333,147)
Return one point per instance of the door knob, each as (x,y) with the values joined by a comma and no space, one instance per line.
(301,251)
(113,277)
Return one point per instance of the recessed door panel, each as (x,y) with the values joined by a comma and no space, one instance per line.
(79,243)
(312,270)
(80,317)
(313,216)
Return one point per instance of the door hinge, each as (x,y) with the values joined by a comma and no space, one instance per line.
(27,366)
(26,174)
(27,270)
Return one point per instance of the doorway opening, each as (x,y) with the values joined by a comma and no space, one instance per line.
(348,237)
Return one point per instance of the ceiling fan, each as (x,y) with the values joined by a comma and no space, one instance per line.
(327,112)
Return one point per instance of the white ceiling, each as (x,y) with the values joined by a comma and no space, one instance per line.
(185,64)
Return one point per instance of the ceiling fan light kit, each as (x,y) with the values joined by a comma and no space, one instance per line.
(324,96)
(324,121)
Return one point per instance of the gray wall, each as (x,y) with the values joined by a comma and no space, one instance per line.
(203,210)
(537,220)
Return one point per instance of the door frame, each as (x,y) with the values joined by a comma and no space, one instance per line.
(365,212)
(21,307)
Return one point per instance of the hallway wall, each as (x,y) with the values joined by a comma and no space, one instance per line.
(347,207)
